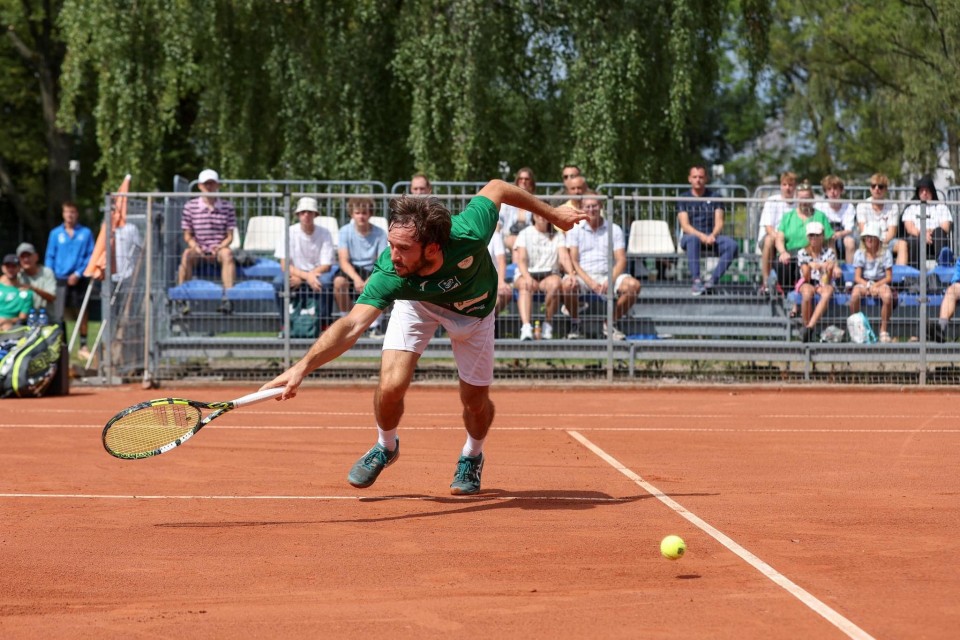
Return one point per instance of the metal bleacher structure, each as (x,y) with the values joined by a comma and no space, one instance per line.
(733,334)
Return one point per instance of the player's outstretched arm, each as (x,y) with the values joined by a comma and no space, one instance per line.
(501,192)
(331,344)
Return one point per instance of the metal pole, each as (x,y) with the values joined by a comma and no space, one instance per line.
(148,300)
(286,281)
(611,293)
(922,263)
(106,323)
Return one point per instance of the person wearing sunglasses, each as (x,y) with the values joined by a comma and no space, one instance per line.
(886,214)
(817,262)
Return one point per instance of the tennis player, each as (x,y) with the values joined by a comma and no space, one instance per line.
(437,272)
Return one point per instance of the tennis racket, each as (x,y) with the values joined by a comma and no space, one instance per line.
(157,426)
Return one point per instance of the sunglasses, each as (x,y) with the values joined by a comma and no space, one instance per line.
(878,186)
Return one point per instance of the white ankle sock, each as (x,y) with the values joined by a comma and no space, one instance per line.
(387,438)
(473,447)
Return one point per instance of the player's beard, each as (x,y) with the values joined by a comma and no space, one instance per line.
(404,270)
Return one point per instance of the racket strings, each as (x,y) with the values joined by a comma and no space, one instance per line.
(150,428)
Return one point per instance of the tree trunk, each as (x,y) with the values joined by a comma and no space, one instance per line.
(954,152)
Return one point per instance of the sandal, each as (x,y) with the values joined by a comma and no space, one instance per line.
(885,337)
(793,311)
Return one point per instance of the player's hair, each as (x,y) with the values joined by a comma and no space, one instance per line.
(358,202)
(428,217)
(831,181)
(699,166)
(788,176)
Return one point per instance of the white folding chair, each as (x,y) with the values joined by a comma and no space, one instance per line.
(263,233)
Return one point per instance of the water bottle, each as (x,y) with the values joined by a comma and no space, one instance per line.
(42,318)
(32,318)
(536,330)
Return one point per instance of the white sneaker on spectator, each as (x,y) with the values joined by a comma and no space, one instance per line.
(547,331)
(616,334)
(526,332)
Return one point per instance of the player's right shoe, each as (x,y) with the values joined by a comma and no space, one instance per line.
(466,479)
(367,469)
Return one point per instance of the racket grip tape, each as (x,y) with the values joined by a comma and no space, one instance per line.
(259,396)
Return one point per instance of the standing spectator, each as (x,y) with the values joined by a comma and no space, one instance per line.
(15,303)
(939,222)
(420,185)
(791,236)
(589,252)
(513,220)
(537,256)
(702,222)
(886,215)
(817,263)
(360,245)
(36,277)
(311,251)
(437,273)
(568,173)
(842,217)
(873,273)
(773,210)
(208,223)
(69,248)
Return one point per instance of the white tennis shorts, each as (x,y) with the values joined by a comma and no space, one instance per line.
(412,325)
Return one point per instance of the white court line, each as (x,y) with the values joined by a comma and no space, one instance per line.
(832,616)
(479,498)
(545,427)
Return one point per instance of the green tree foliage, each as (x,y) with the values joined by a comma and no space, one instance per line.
(869,86)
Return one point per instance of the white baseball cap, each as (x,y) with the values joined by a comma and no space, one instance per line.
(307,204)
(814,228)
(208,175)
(871,229)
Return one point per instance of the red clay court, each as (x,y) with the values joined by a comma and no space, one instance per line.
(807,514)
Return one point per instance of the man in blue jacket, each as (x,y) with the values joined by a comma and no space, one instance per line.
(69,248)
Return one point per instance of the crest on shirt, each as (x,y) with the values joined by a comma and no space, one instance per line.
(449,284)
(466,262)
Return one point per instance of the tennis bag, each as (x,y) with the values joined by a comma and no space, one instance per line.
(304,316)
(27,370)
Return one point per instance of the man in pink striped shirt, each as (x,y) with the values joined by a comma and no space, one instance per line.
(208,223)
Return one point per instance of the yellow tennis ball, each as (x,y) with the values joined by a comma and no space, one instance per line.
(673,547)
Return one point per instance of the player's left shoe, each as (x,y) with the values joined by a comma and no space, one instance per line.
(466,479)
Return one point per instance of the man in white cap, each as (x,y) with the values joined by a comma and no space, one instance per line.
(208,223)
(36,277)
(311,250)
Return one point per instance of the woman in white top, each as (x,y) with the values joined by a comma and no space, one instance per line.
(886,215)
(537,254)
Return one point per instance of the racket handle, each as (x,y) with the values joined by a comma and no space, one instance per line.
(259,396)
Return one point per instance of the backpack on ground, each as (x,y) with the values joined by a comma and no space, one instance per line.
(859,329)
(31,365)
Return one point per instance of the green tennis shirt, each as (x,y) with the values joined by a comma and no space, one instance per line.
(466,283)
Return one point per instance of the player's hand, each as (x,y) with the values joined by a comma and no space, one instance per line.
(566,216)
(290,380)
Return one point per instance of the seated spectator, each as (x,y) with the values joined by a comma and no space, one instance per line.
(537,256)
(311,249)
(773,210)
(15,303)
(948,306)
(568,173)
(498,254)
(360,245)
(589,252)
(35,277)
(69,248)
(701,222)
(208,223)
(842,217)
(791,236)
(938,222)
(817,263)
(512,219)
(886,215)
(420,185)
(873,274)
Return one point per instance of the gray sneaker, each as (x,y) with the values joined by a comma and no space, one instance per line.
(367,469)
(466,479)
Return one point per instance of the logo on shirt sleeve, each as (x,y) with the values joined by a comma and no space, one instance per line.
(466,262)
(449,284)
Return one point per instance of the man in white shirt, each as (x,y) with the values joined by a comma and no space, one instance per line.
(773,210)
(938,224)
(842,217)
(311,250)
(588,271)
(886,215)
